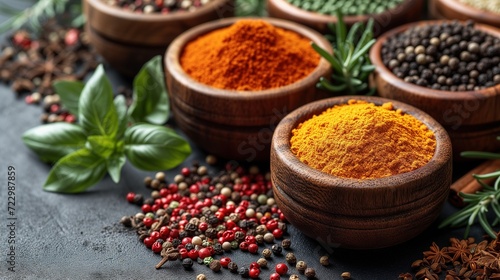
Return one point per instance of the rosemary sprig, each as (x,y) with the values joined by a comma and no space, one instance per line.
(37,13)
(480,202)
(350,62)
(245,8)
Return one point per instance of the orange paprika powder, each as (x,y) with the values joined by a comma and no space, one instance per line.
(249,55)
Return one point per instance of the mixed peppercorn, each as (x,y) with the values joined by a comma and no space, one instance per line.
(449,56)
(158,6)
(200,218)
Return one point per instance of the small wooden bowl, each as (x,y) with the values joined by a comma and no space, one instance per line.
(359,214)
(453,9)
(127,40)
(236,124)
(409,10)
(471,118)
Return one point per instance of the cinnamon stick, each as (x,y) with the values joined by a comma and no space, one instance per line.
(468,184)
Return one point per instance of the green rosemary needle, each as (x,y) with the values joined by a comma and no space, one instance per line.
(480,202)
(350,62)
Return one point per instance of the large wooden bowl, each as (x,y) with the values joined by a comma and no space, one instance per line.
(127,40)
(472,118)
(453,9)
(359,214)
(236,124)
(409,10)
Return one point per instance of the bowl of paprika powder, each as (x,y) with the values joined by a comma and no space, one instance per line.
(360,172)
(231,81)
(128,35)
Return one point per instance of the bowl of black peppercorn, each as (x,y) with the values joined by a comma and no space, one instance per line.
(448,69)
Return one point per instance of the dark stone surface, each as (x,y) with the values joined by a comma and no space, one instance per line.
(78,236)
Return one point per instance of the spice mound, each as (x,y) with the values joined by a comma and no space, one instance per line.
(449,56)
(249,55)
(351,7)
(361,140)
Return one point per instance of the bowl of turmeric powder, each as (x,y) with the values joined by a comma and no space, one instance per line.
(231,81)
(360,172)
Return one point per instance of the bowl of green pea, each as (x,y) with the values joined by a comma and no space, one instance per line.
(318,14)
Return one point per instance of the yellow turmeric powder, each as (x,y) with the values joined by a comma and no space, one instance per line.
(361,140)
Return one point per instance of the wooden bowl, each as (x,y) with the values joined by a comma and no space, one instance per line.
(236,124)
(127,40)
(471,118)
(359,214)
(407,11)
(453,9)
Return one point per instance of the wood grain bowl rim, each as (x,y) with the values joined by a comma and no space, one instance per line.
(468,11)
(389,77)
(359,222)
(299,13)
(173,67)
(117,12)
(280,146)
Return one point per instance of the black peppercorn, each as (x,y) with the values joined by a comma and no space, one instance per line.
(243,271)
(187,263)
(277,249)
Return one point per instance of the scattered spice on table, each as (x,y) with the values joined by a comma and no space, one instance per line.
(31,63)
(347,7)
(249,55)
(200,217)
(462,259)
(362,140)
(158,6)
(485,5)
(451,56)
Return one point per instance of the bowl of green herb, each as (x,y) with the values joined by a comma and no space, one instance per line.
(318,14)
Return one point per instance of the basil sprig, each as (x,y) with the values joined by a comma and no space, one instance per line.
(102,140)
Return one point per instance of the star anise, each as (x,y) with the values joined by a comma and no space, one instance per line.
(437,255)
(459,249)
(490,260)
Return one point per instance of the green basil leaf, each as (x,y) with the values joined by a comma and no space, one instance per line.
(121,110)
(97,112)
(76,172)
(69,92)
(152,147)
(103,146)
(150,100)
(54,141)
(114,164)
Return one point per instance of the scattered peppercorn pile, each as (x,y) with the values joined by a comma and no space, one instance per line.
(462,259)
(158,6)
(347,7)
(451,56)
(199,218)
